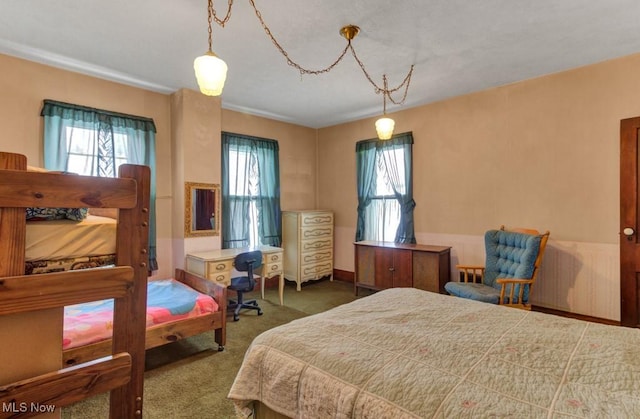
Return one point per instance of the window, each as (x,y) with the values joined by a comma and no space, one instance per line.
(382,215)
(94,158)
(385,195)
(250,192)
(96,142)
(243,184)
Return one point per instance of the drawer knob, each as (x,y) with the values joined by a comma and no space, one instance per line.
(220,267)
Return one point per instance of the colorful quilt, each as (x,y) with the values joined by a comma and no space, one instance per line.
(167,300)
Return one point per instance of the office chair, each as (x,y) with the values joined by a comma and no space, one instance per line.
(244,262)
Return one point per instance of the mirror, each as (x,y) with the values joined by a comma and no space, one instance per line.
(201,209)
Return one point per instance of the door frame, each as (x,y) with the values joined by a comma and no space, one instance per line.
(629,246)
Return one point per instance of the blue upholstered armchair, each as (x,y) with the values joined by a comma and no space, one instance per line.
(513,259)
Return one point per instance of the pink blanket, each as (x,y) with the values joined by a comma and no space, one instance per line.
(167,300)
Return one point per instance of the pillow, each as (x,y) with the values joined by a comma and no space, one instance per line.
(36,169)
(105,212)
(42,214)
(45,214)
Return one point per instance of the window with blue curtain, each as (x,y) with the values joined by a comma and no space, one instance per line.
(251,213)
(95,142)
(385,189)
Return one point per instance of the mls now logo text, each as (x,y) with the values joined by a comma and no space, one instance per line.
(24,407)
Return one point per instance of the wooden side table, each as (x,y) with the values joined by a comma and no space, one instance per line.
(381,265)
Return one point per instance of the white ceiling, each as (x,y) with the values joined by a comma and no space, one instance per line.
(457,46)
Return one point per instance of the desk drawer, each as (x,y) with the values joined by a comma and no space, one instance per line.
(214,267)
(222,278)
(272,269)
(272,258)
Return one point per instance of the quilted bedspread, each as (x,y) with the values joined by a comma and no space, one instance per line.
(407,353)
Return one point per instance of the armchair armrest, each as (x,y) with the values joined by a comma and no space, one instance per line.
(513,282)
(473,272)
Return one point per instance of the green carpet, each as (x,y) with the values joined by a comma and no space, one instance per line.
(191,379)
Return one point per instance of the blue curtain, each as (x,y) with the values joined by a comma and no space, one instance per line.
(250,182)
(369,153)
(69,127)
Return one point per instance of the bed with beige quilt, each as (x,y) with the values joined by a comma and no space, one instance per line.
(407,353)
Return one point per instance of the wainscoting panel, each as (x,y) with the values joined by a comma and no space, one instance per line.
(577,277)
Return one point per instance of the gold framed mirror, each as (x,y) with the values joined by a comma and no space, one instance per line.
(201,209)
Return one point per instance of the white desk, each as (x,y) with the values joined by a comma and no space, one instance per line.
(216,265)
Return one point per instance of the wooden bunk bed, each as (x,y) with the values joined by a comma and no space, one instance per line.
(38,381)
(168,332)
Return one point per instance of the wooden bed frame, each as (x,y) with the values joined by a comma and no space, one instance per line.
(120,370)
(164,333)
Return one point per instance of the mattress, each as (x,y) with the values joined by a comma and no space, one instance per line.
(167,300)
(58,239)
(407,353)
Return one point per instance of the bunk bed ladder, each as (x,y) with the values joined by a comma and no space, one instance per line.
(122,373)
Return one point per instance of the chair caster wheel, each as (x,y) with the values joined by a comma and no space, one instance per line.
(236,318)
(220,348)
(259,312)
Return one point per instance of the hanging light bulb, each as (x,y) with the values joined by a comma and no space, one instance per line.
(385,125)
(384,128)
(211,71)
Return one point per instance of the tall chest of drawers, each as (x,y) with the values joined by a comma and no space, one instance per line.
(307,239)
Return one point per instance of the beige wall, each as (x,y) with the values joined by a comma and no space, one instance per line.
(188,140)
(23,87)
(297,153)
(542,153)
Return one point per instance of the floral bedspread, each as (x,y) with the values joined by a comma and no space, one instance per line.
(407,353)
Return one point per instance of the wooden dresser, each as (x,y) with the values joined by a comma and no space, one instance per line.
(381,265)
(307,239)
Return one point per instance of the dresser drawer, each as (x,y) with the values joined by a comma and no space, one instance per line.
(317,256)
(310,245)
(307,233)
(317,270)
(316,219)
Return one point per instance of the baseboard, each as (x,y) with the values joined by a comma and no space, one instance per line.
(575,315)
(345,276)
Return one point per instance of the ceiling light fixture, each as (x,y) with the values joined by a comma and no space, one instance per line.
(384,125)
(211,71)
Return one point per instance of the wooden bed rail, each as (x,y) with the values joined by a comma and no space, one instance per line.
(122,372)
(43,394)
(53,190)
(38,292)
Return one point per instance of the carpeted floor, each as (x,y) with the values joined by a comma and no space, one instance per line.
(191,379)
